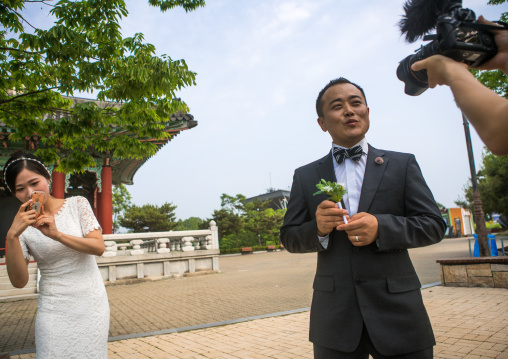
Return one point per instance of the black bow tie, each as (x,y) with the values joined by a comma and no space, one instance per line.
(354,153)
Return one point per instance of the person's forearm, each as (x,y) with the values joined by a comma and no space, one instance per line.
(17,267)
(88,245)
(486,110)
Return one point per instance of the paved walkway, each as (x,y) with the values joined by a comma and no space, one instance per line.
(161,317)
(468,322)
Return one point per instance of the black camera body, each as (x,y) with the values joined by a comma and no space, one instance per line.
(458,36)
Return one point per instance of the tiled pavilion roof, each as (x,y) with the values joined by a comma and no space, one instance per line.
(123,170)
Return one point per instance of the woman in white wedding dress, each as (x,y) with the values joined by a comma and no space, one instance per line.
(73,310)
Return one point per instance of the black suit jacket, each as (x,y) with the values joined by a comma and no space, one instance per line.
(375,284)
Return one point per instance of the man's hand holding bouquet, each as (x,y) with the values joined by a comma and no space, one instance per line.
(361,230)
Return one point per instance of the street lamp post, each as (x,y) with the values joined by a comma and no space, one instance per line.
(479,216)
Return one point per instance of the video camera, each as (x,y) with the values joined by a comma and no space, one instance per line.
(458,36)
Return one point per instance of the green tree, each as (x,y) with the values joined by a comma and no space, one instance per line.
(276,219)
(230,218)
(466,202)
(243,224)
(192,223)
(84,52)
(264,221)
(121,202)
(493,183)
(149,218)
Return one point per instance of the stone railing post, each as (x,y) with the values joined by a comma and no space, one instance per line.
(163,245)
(111,249)
(123,249)
(187,244)
(136,247)
(207,242)
(215,235)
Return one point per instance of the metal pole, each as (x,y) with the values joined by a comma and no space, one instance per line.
(479,216)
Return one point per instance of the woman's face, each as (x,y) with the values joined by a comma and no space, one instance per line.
(28,182)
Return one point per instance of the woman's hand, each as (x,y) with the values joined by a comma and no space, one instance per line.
(46,224)
(22,220)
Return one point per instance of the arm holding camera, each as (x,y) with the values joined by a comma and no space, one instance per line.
(486,110)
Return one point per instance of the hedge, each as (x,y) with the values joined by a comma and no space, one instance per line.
(239,250)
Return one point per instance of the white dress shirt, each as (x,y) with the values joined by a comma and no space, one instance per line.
(350,173)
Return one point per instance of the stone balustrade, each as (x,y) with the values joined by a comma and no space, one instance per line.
(159,254)
(164,242)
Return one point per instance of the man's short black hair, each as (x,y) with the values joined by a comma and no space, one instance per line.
(340,80)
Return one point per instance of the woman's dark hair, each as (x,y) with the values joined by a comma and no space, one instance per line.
(20,161)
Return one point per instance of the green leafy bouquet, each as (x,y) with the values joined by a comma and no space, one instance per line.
(334,189)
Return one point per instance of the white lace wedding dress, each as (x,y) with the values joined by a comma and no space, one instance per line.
(73,310)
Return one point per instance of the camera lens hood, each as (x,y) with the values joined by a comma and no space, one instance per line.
(416,82)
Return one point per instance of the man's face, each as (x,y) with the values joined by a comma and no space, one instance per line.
(345,114)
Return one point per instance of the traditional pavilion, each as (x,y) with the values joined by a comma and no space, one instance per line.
(95,183)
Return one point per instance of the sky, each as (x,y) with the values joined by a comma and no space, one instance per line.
(260,65)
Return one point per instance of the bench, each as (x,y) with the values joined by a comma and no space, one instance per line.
(271,248)
(246,250)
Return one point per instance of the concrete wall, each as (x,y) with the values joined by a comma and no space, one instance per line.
(158,265)
(489,272)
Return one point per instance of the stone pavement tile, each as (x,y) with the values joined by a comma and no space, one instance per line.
(473,331)
(286,337)
(500,347)
(254,339)
(26,356)
(245,288)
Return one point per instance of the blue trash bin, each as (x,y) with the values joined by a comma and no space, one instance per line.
(493,246)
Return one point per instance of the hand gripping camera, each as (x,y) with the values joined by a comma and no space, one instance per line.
(458,36)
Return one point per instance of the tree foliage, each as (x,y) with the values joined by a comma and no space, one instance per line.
(467,202)
(149,218)
(493,183)
(192,223)
(230,218)
(84,52)
(243,224)
(264,221)
(121,202)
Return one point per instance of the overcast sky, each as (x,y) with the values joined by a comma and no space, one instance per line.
(260,65)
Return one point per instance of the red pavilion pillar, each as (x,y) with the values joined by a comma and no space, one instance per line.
(98,213)
(106,200)
(92,198)
(58,184)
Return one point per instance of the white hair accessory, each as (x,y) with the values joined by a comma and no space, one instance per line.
(21,159)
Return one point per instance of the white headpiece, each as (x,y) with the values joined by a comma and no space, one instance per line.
(21,159)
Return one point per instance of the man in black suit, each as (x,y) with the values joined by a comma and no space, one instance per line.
(367,297)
